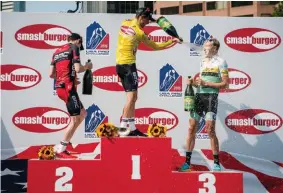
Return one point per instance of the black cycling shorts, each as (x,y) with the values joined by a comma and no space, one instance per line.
(128,75)
(69,95)
(206,105)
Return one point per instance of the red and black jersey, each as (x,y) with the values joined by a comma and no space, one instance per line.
(63,60)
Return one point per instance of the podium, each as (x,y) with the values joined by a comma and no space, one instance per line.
(127,165)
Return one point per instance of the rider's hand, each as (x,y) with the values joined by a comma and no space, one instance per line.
(176,40)
(200,82)
(88,65)
(189,81)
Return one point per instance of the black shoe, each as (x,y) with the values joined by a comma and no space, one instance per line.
(137,133)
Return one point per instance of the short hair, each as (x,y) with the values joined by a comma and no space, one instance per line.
(215,42)
(74,36)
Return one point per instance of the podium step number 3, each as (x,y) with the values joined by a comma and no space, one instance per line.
(209,181)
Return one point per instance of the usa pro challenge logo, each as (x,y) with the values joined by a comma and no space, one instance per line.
(201,129)
(94,118)
(170,82)
(198,35)
(97,40)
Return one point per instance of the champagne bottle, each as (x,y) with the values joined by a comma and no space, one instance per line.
(189,97)
(87,82)
(168,27)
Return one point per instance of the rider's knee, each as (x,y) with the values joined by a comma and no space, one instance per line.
(132,99)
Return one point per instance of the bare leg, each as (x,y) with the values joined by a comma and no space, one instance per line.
(191,136)
(77,120)
(212,135)
(129,108)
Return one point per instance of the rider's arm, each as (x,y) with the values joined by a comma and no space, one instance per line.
(76,59)
(52,71)
(155,46)
(224,84)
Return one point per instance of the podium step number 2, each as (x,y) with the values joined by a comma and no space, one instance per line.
(66,174)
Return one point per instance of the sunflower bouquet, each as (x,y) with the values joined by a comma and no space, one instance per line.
(107,130)
(156,130)
(46,153)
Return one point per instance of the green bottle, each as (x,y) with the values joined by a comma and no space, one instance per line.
(189,98)
(168,27)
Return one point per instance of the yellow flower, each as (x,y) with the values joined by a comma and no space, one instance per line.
(107,130)
(156,130)
(46,153)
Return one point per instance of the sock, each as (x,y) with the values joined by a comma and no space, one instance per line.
(124,122)
(216,159)
(188,157)
(132,124)
(61,147)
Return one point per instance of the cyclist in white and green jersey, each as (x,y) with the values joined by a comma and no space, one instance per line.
(213,76)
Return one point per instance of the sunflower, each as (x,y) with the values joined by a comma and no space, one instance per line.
(46,153)
(107,130)
(156,130)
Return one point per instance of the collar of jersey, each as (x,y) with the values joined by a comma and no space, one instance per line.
(135,22)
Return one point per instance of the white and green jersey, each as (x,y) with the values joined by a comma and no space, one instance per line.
(212,72)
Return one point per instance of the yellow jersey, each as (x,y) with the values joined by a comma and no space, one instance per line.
(130,36)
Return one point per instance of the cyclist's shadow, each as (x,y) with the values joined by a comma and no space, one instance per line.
(265,146)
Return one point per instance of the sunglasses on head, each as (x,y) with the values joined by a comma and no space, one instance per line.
(213,41)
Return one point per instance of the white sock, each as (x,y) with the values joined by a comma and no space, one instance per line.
(124,123)
(132,124)
(61,147)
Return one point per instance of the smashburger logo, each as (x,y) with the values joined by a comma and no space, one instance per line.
(18,77)
(107,79)
(42,36)
(252,40)
(238,80)
(148,116)
(253,121)
(156,34)
(41,119)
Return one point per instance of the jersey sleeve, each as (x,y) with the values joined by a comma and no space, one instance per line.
(152,44)
(76,54)
(223,68)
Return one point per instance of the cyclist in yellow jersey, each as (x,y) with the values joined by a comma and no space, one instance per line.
(131,34)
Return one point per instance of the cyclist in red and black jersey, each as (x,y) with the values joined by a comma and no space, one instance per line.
(64,68)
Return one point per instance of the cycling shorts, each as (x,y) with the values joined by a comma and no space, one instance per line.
(206,105)
(128,75)
(67,92)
